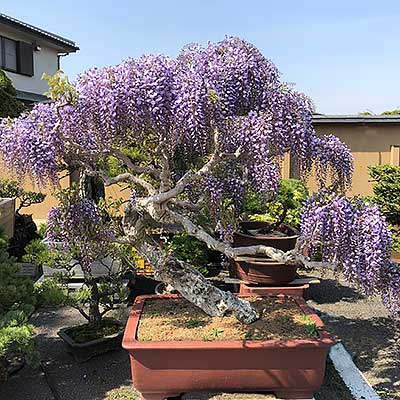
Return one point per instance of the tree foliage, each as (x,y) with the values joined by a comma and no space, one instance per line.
(9,105)
(386,190)
(189,136)
(13,189)
(286,207)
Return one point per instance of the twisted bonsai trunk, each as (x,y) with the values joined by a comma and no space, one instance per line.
(192,285)
(95,316)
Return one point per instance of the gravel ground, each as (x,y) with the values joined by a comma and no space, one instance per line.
(365,328)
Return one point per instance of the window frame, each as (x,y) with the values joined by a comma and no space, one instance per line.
(3,54)
(17,57)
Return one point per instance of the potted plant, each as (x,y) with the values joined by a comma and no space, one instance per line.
(263,223)
(79,235)
(190,135)
(275,222)
(218,354)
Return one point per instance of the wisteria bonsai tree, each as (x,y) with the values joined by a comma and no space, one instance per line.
(190,137)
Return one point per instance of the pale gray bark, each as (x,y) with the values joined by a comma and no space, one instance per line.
(161,205)
(192,285)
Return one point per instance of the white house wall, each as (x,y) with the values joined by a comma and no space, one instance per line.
(44,60)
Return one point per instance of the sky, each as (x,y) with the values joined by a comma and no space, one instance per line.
(343,54)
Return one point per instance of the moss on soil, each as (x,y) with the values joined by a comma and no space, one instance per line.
(85,333)
(178,319)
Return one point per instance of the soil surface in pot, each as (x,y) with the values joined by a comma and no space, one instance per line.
(256,228)
(85,333)
(178,319)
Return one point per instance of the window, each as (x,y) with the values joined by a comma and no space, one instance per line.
(16,56)
(10,54)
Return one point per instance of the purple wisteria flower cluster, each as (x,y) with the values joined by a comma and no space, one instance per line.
(352,236)
(224,100)
(229,86)
(76,230)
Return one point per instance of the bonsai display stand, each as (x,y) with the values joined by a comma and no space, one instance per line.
(298,287)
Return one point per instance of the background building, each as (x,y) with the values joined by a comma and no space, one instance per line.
(372,139)
(26,52)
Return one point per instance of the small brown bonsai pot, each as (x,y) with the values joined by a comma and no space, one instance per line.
(261,270)
(293,369)
(85,351)
(285,242)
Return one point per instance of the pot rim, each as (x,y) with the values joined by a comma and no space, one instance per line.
(292,228)
(295,236)
(266,236)
(264,261)
(129,341)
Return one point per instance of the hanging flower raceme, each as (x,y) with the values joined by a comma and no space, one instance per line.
(76,229)
(30,144)
(333,160)
(353,236)
(227,86)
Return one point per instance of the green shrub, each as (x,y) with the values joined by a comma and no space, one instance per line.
(16,337)
(9,105)
(36,252)
(189,249)
(386,191)
(49,294)
(15,290)
(285,208)
(17,301)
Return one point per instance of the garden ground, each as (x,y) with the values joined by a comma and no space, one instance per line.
(363,325)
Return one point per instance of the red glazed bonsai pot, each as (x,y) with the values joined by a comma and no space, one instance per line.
(284,243)
(262,270)
(291,369)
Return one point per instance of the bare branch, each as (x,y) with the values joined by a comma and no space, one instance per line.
(232,252)
(191,176)
(124,177)
(165,176)
(81,311)
(138,169)
(186,204)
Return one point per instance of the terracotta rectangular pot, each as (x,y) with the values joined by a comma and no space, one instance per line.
(290,369)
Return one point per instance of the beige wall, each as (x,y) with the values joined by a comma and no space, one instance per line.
(369,143)
(40,211)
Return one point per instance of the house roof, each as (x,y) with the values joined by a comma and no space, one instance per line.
(67,45)
(355,119)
